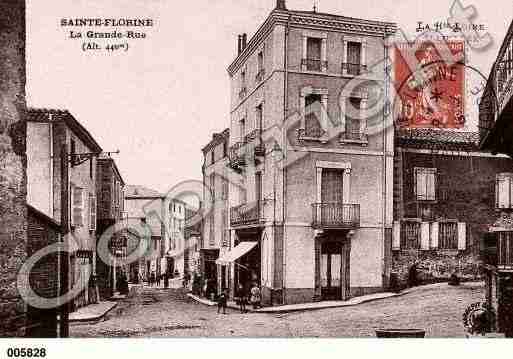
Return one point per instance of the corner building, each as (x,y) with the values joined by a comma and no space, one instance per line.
(310,180)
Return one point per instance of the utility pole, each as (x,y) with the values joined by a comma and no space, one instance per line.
(65,229)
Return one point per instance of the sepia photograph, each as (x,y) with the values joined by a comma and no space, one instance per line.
(314,169)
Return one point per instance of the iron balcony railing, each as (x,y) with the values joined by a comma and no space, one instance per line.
(353,69)
(242,93)
(260,76)
(410,234)
(335,215)
(246,214)
(314,64)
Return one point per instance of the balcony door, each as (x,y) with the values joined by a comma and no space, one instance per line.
(331,195)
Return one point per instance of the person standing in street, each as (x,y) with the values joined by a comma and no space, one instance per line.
(241,298)
(222,301)
(255,296)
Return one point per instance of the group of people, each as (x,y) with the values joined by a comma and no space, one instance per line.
(156,279)
(242,296)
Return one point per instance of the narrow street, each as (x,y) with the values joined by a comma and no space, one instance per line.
(169,313)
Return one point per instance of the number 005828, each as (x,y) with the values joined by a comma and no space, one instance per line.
(26,352)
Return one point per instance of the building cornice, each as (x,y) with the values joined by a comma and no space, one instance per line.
(311,20)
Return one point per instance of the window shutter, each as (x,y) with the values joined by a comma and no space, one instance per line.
(78,206)
(92,210)
(502,191)
(434,235)
(430,185)
(424,236)
(420,184)
(396,239)
(462,236)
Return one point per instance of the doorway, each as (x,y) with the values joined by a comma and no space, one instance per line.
(334,270)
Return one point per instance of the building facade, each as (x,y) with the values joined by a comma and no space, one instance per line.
(49,132)
(110,202)
(216,234)
(13,210)
(447,193)
(495,123)
(310,206)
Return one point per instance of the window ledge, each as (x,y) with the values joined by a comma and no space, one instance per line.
(316,139)
(363,143)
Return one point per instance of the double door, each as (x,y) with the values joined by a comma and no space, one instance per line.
(334,269)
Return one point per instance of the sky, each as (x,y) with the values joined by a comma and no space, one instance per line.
(160,101)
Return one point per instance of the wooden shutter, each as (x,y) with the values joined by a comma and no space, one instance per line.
(354,53)
(77,206)
(420,184)
(462,236)
(502,191)
(332,185)
(430,185)
(92,211)
(313,48)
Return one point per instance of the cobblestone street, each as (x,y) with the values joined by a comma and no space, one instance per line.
(169,313)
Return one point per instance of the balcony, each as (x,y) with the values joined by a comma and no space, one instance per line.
(353,69)
(237,155)
(260,76)
(247,214)
(335,215)
(243,92)
(314,65)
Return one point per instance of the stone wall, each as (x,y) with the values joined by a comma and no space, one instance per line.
(13,211)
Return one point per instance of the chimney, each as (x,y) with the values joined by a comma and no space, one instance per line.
(244,41)
(239,44)
(280,5)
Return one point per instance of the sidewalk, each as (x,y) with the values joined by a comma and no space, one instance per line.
(331,304)
(91,313)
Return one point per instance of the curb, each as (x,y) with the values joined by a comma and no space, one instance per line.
(92,319)
(349,303)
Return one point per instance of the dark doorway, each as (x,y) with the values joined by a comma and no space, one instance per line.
(334,269)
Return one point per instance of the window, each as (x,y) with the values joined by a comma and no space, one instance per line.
(225,149)
(242,129)
(224,189)
(77,215)
(313,54)
(313,115)
(503,190)
(242,92)
(354,54)
(212,156)
(259,117)
(211,238)
(448,235)
(410,235)
(353,128)
(260,67)
(212,186)
(92,212)
(224,241)
(73,151)
(425,182)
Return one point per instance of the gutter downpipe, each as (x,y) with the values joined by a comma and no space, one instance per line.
(384,164)
(285,149)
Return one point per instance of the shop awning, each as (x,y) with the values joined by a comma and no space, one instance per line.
(237,252)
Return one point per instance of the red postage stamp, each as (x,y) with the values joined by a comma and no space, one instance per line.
(430,82)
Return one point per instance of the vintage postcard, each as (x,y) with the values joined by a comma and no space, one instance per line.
(249,169)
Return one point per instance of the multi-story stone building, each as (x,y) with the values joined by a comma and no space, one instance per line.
(139,203)
(216,235)
(49,132)
(13,211)
(311,206)
(110,198)
(495,115)
(166,219)
(447,192)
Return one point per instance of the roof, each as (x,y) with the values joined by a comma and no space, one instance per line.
(107,158)
(43,217)
(440,139)
(138,191)
(217,138)
(308,19)
(47,115)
